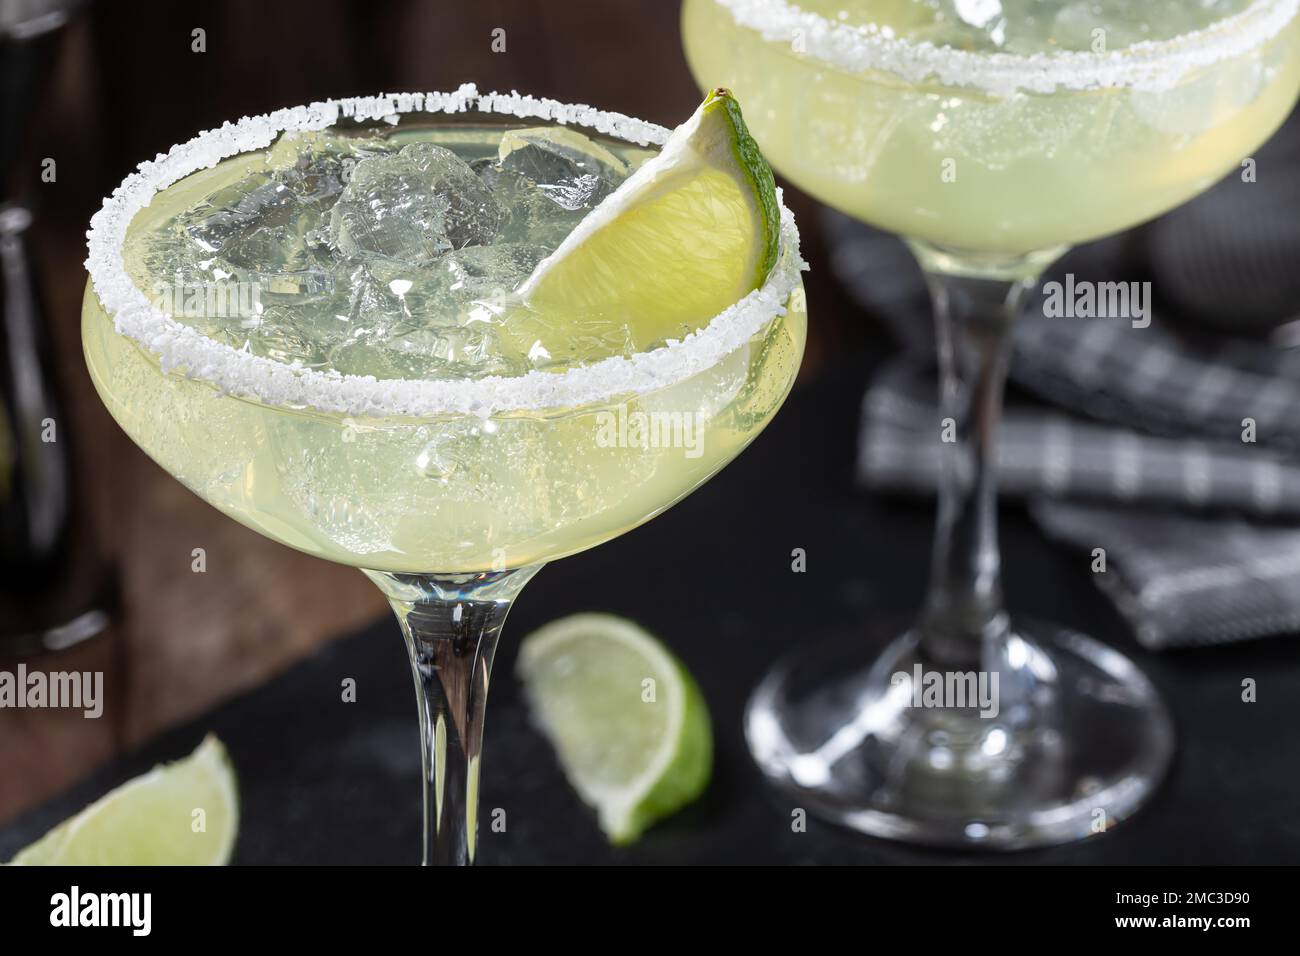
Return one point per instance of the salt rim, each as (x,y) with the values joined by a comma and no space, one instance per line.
(1149,66)
(291,384)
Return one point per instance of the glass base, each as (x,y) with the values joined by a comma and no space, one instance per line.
(1068,738)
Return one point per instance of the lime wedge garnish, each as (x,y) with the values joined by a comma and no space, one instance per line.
(626,719)
(688,234)
(179,814)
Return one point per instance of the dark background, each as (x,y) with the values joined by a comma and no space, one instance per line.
(121,85)
(321,783)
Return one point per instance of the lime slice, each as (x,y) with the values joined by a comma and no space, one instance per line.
(179,814)
(688,234)
(626,719)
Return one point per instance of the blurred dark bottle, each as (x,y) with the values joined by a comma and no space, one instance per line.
(54,590)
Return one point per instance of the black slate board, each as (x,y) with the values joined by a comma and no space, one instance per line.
(326,782)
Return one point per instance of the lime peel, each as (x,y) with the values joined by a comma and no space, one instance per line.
(688,235)
(123,828)
(751,160)
(634,765)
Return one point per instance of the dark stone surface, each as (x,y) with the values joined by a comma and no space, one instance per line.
(326,782)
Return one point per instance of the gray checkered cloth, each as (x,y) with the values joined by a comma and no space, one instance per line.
(1044,451)
(1182,579)
(1132,439)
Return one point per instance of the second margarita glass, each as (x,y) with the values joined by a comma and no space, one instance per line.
(991,136)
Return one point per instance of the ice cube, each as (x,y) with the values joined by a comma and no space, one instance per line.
(282,333)
(270,227)
(552,154)
(370,296)
(267,218)
(257,222)
(413,206)
(556,167)
(379,293)
(302,286)
(496,270)
(558,178)
(319,165)
(417,351)
(425,347)
(1085,25)
(436,319)
(537,215)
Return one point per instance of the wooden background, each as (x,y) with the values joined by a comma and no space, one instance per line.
(125,85)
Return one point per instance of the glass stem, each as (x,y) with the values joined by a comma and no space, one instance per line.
(451,623)
(976,303)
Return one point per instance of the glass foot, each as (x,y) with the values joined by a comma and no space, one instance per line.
(1053,738)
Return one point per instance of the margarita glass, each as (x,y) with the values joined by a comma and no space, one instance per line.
(991,135)
(450,484)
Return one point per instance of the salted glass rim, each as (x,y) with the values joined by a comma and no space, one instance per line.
(1149,65)
(290,384)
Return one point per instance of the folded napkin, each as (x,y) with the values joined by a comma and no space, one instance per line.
(1184,580)
(1043,451)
